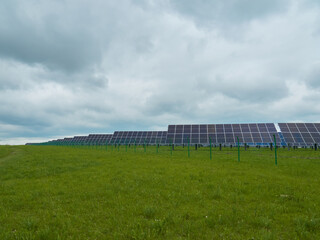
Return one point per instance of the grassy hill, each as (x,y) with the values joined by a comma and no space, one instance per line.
(50,192)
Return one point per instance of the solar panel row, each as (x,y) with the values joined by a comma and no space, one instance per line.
(300,134)
(139,137)
(91,139)
(79,139)
(252,134)
(99,138)
(295,134)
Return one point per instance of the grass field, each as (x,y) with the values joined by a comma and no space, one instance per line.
(50,192)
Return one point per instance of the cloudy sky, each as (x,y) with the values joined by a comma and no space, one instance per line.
(70,67)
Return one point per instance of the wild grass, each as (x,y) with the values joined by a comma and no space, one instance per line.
(50,192)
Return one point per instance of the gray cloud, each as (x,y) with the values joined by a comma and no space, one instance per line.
(70,68)
(59,35)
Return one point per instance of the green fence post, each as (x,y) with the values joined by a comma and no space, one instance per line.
(126,146)
(135,145)
(118,145)
(275,150)
(145,147)
(170,146)
(238,149)
(188,147)
(157,146)
(106,145)
(210,148)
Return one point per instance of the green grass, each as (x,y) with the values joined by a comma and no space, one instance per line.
(49,192)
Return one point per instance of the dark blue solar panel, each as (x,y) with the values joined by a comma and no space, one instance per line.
(262,127)
(292,127)
(230,138)
(171,129)
(203,138)
(236,128)
(195,129)
(221,138)
(241,140)
(211,128)
(317,126)
(219,128)
(244,128)
(253,128)
(203,129)
(187,129)
(271,127)
(179,128)
(311,128)
(228,128)
(301,127)
(213,138)
(301,134)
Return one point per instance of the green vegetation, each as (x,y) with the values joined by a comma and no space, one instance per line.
(52,192)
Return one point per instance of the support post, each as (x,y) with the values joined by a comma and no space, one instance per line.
(275,150)
(157,146)
(210,148)
(238,149)
(188,147)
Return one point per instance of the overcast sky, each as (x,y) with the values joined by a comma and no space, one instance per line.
(70,67)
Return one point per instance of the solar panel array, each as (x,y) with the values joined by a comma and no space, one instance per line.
(252,134)
(295,134)
(98,138)
(80,139)
(300,134)
(139,137)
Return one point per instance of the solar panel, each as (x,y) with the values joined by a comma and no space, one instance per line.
(300,134)
(79,139)
(139,137)
(252,134)
(317,126)
(99,139)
